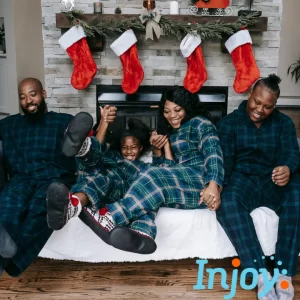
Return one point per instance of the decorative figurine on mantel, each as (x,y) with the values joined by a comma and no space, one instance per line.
(118,10)
(211,8)
(66,2)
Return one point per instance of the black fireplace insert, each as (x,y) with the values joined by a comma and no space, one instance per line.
(144,103)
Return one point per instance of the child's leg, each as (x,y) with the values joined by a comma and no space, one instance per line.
(64,204)
(78,129)
(138,237)
(92,157)
(145,225)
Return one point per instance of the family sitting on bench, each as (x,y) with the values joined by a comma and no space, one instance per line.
(250,160)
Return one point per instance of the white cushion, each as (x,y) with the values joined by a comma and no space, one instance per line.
(180,234)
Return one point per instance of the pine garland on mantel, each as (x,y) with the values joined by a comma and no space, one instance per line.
(170,27)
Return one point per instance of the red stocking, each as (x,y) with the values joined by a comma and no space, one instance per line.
(240,48)
(133,74)
(196,72)
(74,42)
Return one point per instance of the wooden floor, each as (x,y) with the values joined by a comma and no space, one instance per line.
(59,280)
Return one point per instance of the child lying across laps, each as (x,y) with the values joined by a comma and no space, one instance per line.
(198,168)
(103,175)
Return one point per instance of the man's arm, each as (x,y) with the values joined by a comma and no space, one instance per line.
(289,157)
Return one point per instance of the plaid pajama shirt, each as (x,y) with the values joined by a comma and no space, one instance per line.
(198,158)
(250,155)
(105,176)
(33,158)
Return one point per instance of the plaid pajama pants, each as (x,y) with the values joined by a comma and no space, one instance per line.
(100,189)
(23,213)
(240,197)
(177,187)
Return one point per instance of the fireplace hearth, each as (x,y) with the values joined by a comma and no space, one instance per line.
(144,103)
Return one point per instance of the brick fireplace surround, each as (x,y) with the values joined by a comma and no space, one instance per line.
(162,61)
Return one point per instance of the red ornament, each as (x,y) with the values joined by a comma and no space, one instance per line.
(212,3)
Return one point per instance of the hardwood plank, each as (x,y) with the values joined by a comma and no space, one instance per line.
(49,279)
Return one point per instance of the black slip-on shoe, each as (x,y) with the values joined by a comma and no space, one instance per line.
(126,239)
(8,247)
(61,206)
(95,222)
(76,133)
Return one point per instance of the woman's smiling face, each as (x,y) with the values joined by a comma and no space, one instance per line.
(174,114)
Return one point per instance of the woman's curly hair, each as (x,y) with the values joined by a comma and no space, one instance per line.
(182,97)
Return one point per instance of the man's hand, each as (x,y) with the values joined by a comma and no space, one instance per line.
(108,113)
(211,196)
(281,175)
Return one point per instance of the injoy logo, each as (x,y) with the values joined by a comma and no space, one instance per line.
(268,284)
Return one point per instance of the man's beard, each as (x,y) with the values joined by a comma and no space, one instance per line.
(39,114)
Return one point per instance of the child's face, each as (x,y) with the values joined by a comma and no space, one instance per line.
(131,148)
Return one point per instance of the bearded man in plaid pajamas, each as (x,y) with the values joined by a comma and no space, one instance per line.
(261,157)
(32,156)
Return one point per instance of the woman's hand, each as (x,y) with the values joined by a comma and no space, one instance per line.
(211,196)
(158,141)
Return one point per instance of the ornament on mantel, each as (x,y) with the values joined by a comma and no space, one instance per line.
(118,11)
(174,7)
(151,18)
(211,8)
(149,4)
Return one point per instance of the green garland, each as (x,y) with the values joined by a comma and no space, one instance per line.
(210,30)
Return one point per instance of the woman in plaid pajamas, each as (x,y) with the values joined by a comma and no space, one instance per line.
(103,176)
(199,168)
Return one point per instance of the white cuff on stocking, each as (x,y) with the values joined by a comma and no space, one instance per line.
(240,38)
(124,42)
(189,44)
(72,36)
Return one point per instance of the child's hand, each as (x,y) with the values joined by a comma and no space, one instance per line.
(108,113)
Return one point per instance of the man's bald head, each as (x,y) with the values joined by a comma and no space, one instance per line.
(32,97)
(31,80)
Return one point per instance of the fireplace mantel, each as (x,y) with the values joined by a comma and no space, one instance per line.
(63,22)
(96,44)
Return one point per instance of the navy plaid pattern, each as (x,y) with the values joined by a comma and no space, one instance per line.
(104,175)
(197,152)
(145,224)
(251,150)
(34,148)
(32,154)
(250,154)
(196,144)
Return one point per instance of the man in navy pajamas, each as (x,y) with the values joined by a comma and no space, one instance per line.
(261,158)
(32,156)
